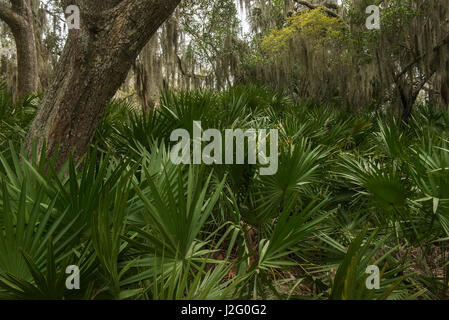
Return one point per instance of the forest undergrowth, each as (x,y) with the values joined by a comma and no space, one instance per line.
(353,189)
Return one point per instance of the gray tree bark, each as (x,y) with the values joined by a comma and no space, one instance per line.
(95,62)
(19,17)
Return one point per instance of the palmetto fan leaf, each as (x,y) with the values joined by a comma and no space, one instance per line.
(179,215)
(47,282)
(195,283)
(15,117)
(432,171)
(176,215)
(108,227)
(384,184)
(180,111)
(294,128)
(75,189)
(140,131)
(294,225)
(392,138)
(431,175)
(298,167)
(350,279)
(27,227)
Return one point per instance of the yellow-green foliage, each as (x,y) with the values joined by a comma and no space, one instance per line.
(314,25)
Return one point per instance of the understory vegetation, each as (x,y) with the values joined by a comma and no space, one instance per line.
(352,190)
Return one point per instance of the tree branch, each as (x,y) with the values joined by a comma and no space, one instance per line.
(436,49)
(184,73)
(327,7)
(11,18)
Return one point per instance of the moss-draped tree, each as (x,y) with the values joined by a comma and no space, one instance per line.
(18,15)
(93,65)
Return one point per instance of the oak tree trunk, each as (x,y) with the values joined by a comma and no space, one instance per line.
(408,98)
(94,64)
(19,18)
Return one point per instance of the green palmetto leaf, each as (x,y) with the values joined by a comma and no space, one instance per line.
(384,184)
(298,168)
(108,226)
(392,138)
(431,175)
(432,171)
(47,282)
(350,280)
(293,226)
(195,283)
(176,215)
(28,226)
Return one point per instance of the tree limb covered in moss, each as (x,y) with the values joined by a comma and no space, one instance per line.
(327,7)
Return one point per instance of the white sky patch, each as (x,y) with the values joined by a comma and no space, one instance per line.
(243,16)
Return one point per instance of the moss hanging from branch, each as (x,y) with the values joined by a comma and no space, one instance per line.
(329,57)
